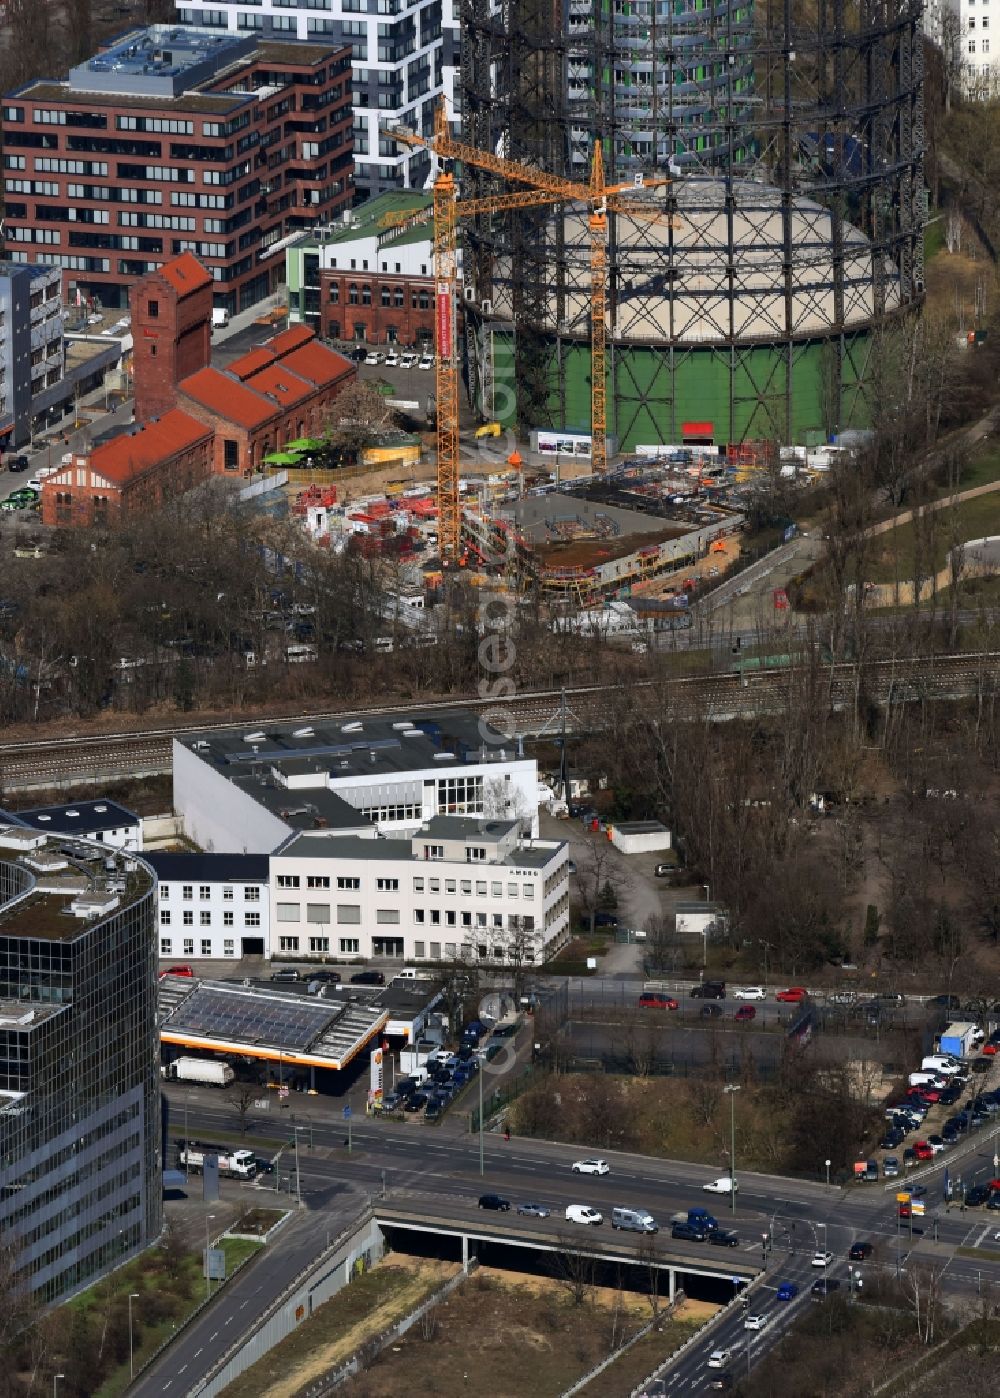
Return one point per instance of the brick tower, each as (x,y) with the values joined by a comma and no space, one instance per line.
(171,332)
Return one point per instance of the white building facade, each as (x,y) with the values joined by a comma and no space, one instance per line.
(965,32)
(405,53)
(212,907)
(456,890)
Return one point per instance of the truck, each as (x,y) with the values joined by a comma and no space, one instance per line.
(236,1164)
(220,317)
(697,1218)
(959,1040)
(207,1071)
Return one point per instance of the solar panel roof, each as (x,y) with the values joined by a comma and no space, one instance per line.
(251,1017)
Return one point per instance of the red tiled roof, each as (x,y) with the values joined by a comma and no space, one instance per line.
(289,340)
(185,274)
(319,365)
(279,381)
(225,395)
(127,456)
(249,363)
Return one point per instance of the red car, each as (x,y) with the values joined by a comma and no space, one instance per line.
(746,1012)
(904,1211)
(177,971)
(989,1050)
(923,1151)
(794,995)
(655,1000)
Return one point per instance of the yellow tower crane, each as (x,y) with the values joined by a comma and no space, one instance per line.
(544,188)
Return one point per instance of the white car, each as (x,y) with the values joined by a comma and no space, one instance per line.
(391,359)
(582,1213)
(822,1259)
(407,360)
(755,1322)
(718,1359)
(426,361)
(373,357)
(591,1167)
(725,1185)
(750,992)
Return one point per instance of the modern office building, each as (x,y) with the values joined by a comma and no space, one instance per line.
(80,1140)
(212,906)
(176,140)
(32,359)
(405,56)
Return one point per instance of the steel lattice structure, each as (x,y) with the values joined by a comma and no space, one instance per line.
(794,225)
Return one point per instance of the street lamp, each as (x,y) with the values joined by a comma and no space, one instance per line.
(55,1384)
(132,1296)
(763,1250)
(482,1166)
(208,1270)
(731,1090)
(827,1163)
(823,1226)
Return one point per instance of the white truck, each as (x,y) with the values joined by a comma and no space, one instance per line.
(207,1071)
(237,1165)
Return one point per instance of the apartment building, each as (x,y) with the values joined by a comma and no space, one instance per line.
(465,889)
(32,357)
(964,30)
(405,55)
(175,140)
(212,906)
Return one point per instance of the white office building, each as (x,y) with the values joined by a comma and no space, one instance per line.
(964,31)
(103,821)
(387,774)
(212,907)
(405,56)
(456,889)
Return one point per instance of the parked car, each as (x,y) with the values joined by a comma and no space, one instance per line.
(327,977)
(723,1238)
(373,357)
(18,463)
(591,1167)
(368,978)
(750,992)
(688,1233)
(583,1213)
(709,990)
(923,1151)
(890,1167)
(426,361)
(662,871)
(407,360)
(794,995)
(533,1210)
(285,974)
(606,920)
(495,1202)
(743,1014)
(656,1000)
(711,1011)
(392,359)
(185,971)
(787,1291)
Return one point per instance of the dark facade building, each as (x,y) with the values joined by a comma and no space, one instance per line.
(80,1135)
(178,140)
(171,332)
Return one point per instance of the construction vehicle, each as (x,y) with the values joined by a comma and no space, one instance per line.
(544,189)
(488,429)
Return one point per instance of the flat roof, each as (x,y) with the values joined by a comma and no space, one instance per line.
(78,817)
(209,868)
(366,221)
(640,827)
(262,1023)
(98,879)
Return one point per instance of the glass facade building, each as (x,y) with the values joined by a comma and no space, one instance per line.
(80,1144)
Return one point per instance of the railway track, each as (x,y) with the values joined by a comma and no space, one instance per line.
(91,760)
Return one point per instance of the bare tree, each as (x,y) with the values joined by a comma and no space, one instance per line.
(241,1104)
(574,1271)
(922,1285)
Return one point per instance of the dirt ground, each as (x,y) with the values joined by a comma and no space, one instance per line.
(518,1336)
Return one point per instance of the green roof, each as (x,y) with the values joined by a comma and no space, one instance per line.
(366,219)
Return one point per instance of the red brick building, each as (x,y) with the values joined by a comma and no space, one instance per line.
(130,475)
(171,332)
(176,140)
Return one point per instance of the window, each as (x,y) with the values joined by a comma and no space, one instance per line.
(466,919)
(480,888)
(435,885)
(189,919)
(349,881)
(164,917)
(418,950)
(449,918)
(206,946)
(319,943)
(496,889)
(388,885)
(227,894)
(387,915)
(512,890)
(349,946)
(251,919)
(288,943)
(288,912)
(204,919)
(435,917)
(227,919)
(475,855)
(164,892)
(187,891)
(288,880)
(189,946)
(318,881)
(435,951)
(317,912)
(153,307)
(498,922)
(251,895)
(204,892)
(418,885)
(433,851)
(229,947)
(480,919)
(166,945)
(230,454)
(348,912)
(419,916)
(466,887)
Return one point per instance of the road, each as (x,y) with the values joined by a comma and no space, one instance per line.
(55,444)
(436,1170)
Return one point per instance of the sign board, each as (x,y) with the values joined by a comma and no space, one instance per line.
(562,443)
(214,1264)
(918,1208)
(375,1085)
(282,1091)
(347,1113)
(445,342)
(262,1103)
(903,1197)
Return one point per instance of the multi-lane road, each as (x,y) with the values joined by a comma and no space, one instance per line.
(436,1171)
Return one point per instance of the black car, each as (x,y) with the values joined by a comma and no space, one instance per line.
(824,1286)
(415,1102)
(606,920)
(494,1201)
(977,1196)
(688,1233)
(18,463)
(368,978)
(710,1011)
(330,977)
(947,1002)
(721,1382)
(264,1167)
(860,1252)
(723,1238)
(891,1140)
(709,990)
(981,1065)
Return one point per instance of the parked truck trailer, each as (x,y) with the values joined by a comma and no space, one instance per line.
(210,1072)
(237,1164)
